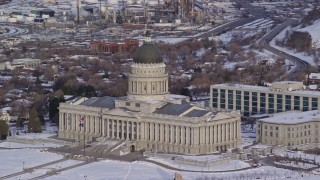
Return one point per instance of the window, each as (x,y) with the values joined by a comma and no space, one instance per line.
(127,103)
(277,128)
(288,135)
(137,104)
(271,134)
(265,127)
(288,129)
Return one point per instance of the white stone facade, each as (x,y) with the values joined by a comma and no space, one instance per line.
(149,117)
(289,129)
(163,133)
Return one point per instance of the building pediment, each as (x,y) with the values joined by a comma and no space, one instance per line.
(120,112)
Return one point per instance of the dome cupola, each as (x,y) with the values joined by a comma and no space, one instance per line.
(148,53)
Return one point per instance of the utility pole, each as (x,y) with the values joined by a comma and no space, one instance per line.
(145,11)
(78,12)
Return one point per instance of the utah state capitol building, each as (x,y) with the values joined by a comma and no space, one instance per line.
(149,117)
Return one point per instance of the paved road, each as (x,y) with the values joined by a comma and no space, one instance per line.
(300,64)
(259,12)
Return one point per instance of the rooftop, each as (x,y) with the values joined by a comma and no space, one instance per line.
(293,117)
(266,89)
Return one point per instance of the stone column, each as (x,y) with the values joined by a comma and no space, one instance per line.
(117,129)
(207,135)
(60,121)
(188,136)
(91,125)
(171,134)
(238,130)
(310,103)
(166,138)
(127,132)
(231,130)
(112,129)
(182,135)
(143,127)
(156,132)
(108,129)
(122,129)
(77,123)
(138,131)
(96,125)
(161,133)
(132,130)
(152,131)
(219,133)
(177,134)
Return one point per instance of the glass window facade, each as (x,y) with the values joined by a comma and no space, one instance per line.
(279,102)
(254,103)
(246,103)
(262,103)
(215,98)
(305,104)
(288,102)
(271,103)
(230,99)
(222,98)
(238,100)
(296,103)
(314,103)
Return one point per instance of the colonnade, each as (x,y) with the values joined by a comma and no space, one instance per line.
(148,87)
(210,134)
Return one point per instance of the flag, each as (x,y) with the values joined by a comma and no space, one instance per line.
(81,121)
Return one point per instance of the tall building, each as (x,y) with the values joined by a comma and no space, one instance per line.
(150,117)
(250,100)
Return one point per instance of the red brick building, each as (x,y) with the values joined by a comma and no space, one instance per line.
(114,47)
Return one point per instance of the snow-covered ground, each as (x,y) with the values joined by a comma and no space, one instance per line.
(313,30)
(27,145)
(301,55)
(231,165)
(14,160)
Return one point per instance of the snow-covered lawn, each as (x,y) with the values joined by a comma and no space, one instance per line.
(20,145)
(296,165)
(231,165)
(46,169)
(12,161)
(116,170)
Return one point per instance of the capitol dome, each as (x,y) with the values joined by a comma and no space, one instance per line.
(148,53)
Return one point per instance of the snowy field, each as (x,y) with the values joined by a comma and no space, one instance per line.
(231,165)
(141,170)
(20,145)
(313,30)
(109,169)
(16,159)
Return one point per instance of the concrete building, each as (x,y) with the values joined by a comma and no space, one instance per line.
(289,129)
(25,63)
(150,117)
(250,100)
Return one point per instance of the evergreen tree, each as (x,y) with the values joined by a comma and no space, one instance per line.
(53,107)
(19,122)
(34,124)
(3,130)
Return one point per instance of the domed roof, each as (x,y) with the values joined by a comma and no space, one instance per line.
(148,53)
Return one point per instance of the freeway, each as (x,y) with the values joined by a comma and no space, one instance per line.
(12,31)
(300,64)
(259,12)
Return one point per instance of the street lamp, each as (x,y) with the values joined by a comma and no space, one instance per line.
(23,165)
(7,139)
(85,177)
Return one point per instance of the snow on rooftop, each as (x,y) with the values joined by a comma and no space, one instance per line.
(266,89)
(293,117)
